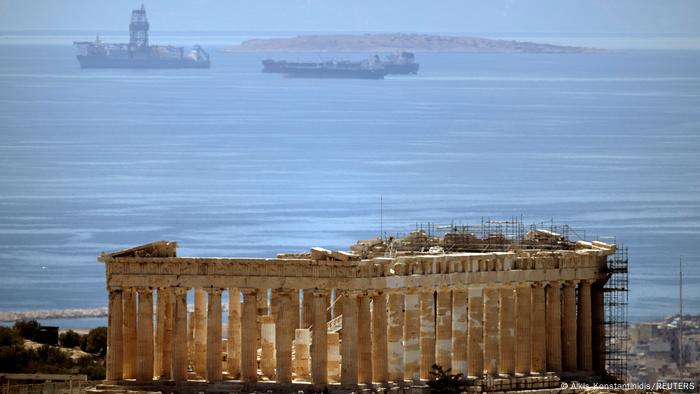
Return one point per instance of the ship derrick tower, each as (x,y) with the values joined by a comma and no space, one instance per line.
(138,29)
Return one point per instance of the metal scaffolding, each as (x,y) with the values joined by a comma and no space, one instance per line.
(616,292)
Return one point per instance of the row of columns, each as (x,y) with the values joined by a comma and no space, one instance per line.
(510,329)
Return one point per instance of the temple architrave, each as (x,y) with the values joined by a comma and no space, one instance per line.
(506,314)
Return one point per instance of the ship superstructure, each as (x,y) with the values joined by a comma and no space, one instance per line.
(138,53)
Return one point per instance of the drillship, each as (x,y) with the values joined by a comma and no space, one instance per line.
(138,53)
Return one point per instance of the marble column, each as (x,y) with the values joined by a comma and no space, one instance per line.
(411,336)
(584,328)
(523,347)
(554,327)
(302,354)
(160,332)
(249,341)
(166,365)
(129,332)
(427,333)
(491,337)
(144,356)
(179,352)
(380,371)
(233,358)
(568,319)
(337,303)
(200,332)
(459,331)
(190,339)
(333,357)
(348,346)
(598,323)
(364,340)
(306,308)
(295,305)
(267,346)
(284,327)
(395,336)
(115,351)
(538,332)
(214,351)
(506,331)
(475,332)
(319,340)
(443,329)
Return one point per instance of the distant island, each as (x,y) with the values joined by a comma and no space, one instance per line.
(420,43)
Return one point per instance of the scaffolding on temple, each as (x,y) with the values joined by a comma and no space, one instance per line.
(616,292)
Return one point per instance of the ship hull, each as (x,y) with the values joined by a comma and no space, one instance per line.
(335,74)
(156,63)
(407,68)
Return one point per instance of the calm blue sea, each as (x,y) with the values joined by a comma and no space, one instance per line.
(233,162)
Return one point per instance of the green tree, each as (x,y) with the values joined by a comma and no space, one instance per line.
(96,341)
(444,382)
(9,337)
(69,339)
(27,329)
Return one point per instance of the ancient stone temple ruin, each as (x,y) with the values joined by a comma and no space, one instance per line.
(507,312)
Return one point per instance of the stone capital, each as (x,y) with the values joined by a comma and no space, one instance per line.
(115,289)
(249,291)
(145,290)
(571,282)
(319,292)
(179,291)
(214,290)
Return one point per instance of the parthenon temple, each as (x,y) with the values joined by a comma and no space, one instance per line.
(506,313)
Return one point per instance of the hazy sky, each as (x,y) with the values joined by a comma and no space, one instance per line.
(618,17)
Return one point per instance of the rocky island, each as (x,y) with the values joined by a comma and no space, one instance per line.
(420,43)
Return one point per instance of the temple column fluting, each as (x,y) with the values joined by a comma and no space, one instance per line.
(268,345)
(306,308)
(115,324)
(475,332)
(214,335)
(200,332)
(506,330)
(538,332)
(179,352)
(411,336)
(459,331)
(568,319)
(554,326)
(249,336)
(427,333)
(584,328)
(348,346)
(129,332)
(491,337)
(395,336)
(160,332)
(319,340)
(443,328)
(166,366)
(364,340)
(233,358)
(379,338)
(523,345)
(284,326)
(144,367)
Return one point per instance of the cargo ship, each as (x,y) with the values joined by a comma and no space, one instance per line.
(138,53)
(401,63)
(329,69)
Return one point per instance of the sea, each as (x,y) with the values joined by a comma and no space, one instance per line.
(233,162)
